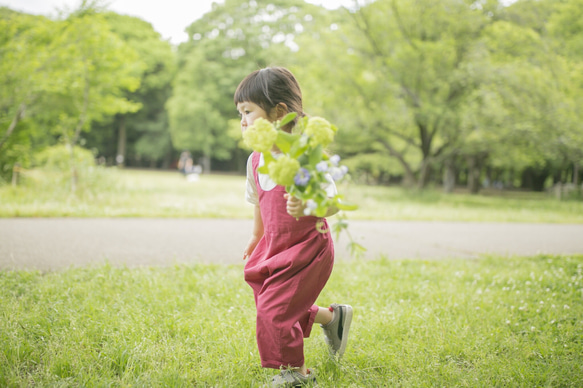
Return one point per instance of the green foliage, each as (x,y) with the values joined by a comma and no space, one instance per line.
(228,43)
(494,321)
(464,87)
(432,83)
(371,168)
(17,151)
(566,29)
(24,79)
(399,77)
(52,176)
(58,78)
(59,158)
(145,132)
(96,67)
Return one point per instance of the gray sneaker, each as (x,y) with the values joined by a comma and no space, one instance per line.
(289,378)
(336,331)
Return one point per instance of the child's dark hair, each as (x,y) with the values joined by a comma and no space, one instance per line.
(270,86)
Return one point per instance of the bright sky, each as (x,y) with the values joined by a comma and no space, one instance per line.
(169,17)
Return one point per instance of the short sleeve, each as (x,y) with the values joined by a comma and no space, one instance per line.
(251,187)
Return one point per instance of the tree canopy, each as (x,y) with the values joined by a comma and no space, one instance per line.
(423,91)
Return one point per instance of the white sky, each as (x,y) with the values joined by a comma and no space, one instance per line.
(169,17)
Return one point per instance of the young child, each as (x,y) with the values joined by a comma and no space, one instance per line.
(288,260)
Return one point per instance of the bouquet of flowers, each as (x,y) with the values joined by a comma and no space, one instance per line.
(302,166)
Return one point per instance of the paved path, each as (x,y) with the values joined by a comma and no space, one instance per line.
(57,243)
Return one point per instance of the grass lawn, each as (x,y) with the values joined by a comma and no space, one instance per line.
(131,193)
(491,322)
(479,323)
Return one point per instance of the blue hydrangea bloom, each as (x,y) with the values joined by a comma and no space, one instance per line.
(338,172)
(322,166)
(335,159)
(302,177)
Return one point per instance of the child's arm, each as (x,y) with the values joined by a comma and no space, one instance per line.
(256,234)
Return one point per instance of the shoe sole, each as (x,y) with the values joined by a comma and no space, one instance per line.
(347,320)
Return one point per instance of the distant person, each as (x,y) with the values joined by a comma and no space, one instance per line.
(188,165)
(288,260)
(185,163)
(194,173)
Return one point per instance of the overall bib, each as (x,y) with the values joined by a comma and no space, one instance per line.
(287,271)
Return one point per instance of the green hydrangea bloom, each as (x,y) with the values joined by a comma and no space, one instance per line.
(283,170)
(320,131)
(260,136)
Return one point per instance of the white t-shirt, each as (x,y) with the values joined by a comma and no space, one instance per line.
(267,184)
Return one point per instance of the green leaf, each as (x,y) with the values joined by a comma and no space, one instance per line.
(300,125)
(321,211)
(263,169)
(297,150)
(316,155)
(285,140)
(301,157)
(356,250)
(268,158)
(346,206)
(338,227)
(288,119)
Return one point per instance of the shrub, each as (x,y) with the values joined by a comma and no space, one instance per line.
(55,168)
(59,158)
(373,168)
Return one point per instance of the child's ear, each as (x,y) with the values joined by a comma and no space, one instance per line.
(281,110)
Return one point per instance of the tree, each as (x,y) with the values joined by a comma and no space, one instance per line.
(501,119)
(97,68)
(25,77)
(566,28)
(442,85)
(225,45)
(540,86)
(409,67)
(142,135)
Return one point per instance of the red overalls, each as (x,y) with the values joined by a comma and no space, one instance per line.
(287,271)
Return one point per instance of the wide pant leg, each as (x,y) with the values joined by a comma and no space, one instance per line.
(285,308)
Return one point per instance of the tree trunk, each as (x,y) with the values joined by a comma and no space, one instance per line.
(449,176)
(84,111)
(17,117)
(121,142)
(575,173)
(167,161)
(82,119)
(74,175)
(423,174)
(474,167)
(206,164)
(409,178)
(15,174)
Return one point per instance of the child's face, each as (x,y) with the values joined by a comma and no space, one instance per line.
(250,112)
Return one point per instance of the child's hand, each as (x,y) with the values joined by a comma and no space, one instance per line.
(253,241)
(294,206)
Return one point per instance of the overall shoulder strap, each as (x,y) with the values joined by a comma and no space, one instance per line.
(255,161)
